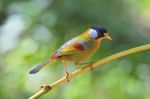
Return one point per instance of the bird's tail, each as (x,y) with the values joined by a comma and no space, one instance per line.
(37,68)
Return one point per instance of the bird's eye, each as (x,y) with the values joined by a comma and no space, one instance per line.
(93,33)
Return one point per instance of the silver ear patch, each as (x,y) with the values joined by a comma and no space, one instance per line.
(93,33)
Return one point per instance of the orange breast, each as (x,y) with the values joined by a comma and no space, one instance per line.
(77,57)
(97,44)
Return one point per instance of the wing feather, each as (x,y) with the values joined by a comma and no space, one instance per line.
(75,45)
(74,48)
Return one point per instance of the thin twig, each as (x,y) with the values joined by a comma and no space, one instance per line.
(45,88)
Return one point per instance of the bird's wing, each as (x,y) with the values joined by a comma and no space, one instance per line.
(73,48)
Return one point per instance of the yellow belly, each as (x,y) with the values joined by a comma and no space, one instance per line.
(77,57)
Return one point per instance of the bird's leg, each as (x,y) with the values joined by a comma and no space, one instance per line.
(90,64)
(65,67)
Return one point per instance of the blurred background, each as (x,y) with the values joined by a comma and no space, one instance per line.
(30,30)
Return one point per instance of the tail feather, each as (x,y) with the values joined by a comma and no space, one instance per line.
(39,67)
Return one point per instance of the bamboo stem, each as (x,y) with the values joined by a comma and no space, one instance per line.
(45,88)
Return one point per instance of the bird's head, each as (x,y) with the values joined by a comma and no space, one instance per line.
(99,31)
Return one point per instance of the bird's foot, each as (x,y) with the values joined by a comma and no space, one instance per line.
(67,76)
(91,66)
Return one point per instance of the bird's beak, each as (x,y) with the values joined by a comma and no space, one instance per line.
(107,36)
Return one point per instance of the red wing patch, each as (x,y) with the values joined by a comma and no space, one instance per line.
(74,48)
(79,47)
(54,56)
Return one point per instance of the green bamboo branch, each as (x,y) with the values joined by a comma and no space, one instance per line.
(45,88)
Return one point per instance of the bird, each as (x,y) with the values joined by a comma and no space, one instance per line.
(77,49)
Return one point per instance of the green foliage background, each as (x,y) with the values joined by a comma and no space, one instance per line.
(30,30)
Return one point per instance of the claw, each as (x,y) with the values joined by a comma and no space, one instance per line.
(91,66)
(67,76)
